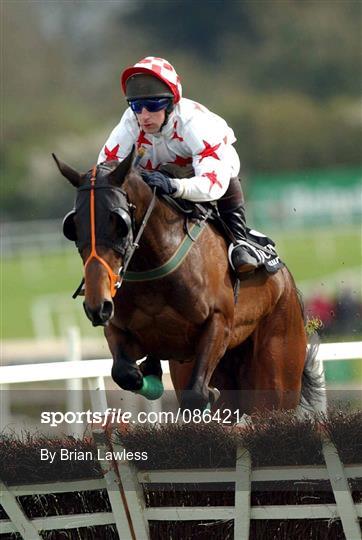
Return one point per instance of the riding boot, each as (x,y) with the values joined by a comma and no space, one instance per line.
(232,212)
(241,255)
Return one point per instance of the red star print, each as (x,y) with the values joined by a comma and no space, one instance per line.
(111,155)
(175,136)
(209,151)
(213,179)
(181,161)
(149,165)
(142,139)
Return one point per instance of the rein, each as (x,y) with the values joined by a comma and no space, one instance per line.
(135,244)
(164,270)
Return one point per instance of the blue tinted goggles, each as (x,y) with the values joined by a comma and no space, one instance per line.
(151,104)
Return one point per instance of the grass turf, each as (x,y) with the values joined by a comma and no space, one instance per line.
(48,280)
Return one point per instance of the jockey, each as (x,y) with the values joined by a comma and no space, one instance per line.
(184,150)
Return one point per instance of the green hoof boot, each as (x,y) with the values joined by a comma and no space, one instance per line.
(152,388)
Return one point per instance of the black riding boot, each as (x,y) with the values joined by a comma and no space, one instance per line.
(241,255)
(232,211)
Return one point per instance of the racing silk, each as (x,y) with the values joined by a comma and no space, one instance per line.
(195,143)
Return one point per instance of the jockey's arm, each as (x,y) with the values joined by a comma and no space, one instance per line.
(214,162)
(211,179)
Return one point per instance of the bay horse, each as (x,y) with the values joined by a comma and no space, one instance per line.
(252,350)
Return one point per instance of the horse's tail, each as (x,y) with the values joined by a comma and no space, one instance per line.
(313,396)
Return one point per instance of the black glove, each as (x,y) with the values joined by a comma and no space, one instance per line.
(164,184)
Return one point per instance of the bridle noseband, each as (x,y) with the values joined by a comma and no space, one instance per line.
(114,279)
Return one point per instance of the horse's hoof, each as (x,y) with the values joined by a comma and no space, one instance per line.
(214,395)
(192,401)
(130,380)
(152,388)
(151,367)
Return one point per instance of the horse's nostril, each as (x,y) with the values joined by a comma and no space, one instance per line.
(107,310)
(99,316)
(86,310)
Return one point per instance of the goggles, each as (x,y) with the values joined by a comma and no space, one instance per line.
(151,104)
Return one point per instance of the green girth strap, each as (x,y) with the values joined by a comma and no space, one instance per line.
(173,263)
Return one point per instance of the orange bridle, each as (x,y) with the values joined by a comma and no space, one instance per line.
(114,279)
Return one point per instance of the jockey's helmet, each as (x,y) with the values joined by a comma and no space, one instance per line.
(143,86)
(151,77)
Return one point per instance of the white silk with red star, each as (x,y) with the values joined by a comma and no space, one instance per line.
(193,136)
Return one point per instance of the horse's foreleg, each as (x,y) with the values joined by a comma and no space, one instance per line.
(210,349)
(151,366)
(125,372)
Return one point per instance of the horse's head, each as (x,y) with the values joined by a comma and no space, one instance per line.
(101,227)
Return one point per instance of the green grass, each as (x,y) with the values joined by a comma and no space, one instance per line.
(24,280)
(320,253)
(309,255)
(343,371)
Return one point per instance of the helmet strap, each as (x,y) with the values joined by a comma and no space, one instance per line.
(167,115)
(168,111)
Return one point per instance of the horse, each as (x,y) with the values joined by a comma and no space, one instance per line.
(246,351)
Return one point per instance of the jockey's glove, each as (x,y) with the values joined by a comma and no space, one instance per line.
(164,184)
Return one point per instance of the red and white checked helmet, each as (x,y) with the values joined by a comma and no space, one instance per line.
(160,68)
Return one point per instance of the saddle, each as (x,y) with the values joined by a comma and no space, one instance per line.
(262,246)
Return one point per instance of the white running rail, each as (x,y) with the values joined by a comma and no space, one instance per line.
(91,369)
(131,516)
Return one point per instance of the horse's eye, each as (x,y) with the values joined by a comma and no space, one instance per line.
(123,222)
(69,229)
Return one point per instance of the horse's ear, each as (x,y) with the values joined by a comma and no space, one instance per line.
(70,174)
(123,168)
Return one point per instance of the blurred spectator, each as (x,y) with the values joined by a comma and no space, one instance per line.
(323,308)
(340,315)
(348,313)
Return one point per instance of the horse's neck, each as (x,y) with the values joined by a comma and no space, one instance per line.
(164,229)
